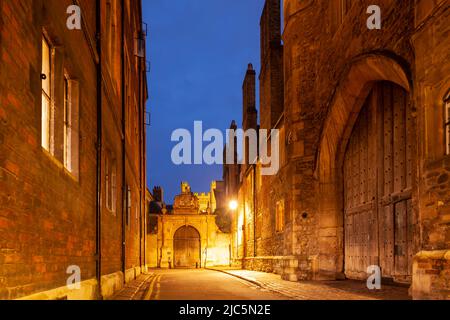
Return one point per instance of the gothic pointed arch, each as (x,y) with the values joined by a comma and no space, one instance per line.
(353,91)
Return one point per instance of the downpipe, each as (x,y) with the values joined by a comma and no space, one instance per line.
(255,207)
(124,177)
(98,254)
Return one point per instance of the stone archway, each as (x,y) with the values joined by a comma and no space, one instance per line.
(187,248)
(350,96)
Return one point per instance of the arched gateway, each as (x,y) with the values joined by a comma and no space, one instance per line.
(378,181)
(366,169)
(186,246)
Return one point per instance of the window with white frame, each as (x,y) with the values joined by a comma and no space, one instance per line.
(46,78)
(59,109)
(71,125)
(111,34)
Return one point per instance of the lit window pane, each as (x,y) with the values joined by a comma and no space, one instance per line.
(45,117)
(46,67)
(128,206)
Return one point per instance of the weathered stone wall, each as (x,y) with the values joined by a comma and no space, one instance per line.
(312,54)
(152,250)
(219,249)
(431,275)
(331,59)
(214,245)
(258,194)
(431,85)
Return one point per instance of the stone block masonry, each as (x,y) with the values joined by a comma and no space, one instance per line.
(364,174)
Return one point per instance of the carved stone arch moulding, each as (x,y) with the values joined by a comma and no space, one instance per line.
(176,226)
(349,98)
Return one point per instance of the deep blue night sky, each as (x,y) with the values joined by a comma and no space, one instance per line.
(199,51)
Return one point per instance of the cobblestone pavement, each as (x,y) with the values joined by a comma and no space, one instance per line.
(320,290)
(136,289)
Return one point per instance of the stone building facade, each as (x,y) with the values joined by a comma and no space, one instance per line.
(72,148)
(363,117)
(186,234)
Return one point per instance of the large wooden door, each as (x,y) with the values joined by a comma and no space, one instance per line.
(378,170)
(186,244)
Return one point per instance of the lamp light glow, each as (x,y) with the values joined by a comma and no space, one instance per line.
(233,205)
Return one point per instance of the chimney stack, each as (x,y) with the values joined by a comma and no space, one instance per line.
(158,194)
(270,27)
(250,115)
(271,78)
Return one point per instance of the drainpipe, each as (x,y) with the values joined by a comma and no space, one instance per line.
(142,77)
(99,151)
(255,203)
(124,178)
(140,157)
(140,168)
(144,169)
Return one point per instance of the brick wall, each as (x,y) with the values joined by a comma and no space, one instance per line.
(48,215)
(48,218)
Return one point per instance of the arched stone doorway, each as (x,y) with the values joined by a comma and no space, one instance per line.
(377,182)
(187,248)
(353,233)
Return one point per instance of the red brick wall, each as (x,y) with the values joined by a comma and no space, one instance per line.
(48,217)
(134,154)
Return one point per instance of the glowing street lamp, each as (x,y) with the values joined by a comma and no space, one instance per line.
(233,205)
